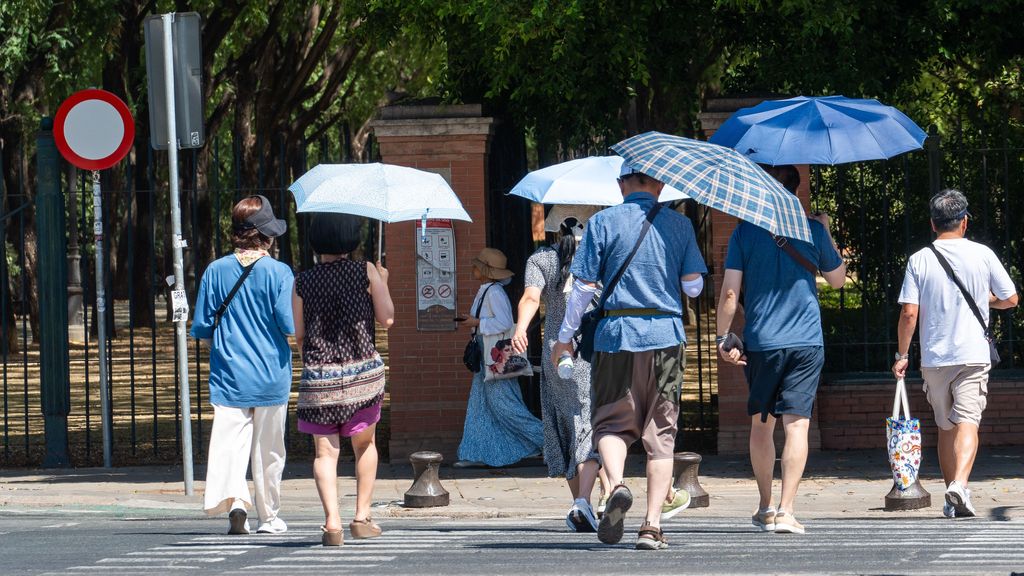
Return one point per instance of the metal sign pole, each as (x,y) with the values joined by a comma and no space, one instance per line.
(179,275)
(101,319)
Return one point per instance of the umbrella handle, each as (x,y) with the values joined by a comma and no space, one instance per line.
(380,241)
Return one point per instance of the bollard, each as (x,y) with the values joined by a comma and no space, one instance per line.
(426,490)
(913,498)
(685,468)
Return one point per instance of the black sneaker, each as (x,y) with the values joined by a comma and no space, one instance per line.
(609,530)
(238,521)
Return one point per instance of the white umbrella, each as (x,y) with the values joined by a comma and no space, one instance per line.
(384,192)
(590,180)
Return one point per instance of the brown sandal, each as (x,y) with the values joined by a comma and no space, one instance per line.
(651,538)
(332,537)
(361,529)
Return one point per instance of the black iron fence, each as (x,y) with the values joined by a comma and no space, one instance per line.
(880,215)
(879,210)
(141,348)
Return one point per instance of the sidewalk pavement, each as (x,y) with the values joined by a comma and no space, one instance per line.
(836,484)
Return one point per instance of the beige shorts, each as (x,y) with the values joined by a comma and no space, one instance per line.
(636,397)
(957,393)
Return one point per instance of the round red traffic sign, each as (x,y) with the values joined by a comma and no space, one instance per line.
(93,129)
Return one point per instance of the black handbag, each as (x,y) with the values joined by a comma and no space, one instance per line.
(993,353)
(590,320)
(473,355)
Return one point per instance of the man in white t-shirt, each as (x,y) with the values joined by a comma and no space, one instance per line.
(955,358)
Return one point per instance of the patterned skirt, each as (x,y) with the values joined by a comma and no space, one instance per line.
(332,393)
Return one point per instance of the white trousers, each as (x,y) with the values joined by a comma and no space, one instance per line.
(241,436)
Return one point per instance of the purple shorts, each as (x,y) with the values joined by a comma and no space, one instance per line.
(359,421)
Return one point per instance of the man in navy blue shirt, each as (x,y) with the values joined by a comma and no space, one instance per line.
(782,349)
(637,368)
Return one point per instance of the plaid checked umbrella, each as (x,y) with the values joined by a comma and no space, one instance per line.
(718,177)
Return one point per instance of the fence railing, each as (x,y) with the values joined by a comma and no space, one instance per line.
(880,215)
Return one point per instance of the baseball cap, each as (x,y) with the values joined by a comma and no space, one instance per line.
(627,169)
(264,220)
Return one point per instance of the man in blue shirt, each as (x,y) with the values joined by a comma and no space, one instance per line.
(783,350)
(637,367)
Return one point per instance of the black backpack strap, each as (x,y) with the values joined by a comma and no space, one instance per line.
(481,303)
(967,296)
(234,290)
(618,275)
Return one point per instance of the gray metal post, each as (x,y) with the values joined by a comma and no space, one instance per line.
(101,320)
(176,241)
(933,145)
(54,380)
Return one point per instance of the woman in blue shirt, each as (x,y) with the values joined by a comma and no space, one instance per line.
(250,368)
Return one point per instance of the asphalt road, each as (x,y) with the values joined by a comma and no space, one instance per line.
(98,543)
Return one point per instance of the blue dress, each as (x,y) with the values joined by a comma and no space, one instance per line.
(499,430)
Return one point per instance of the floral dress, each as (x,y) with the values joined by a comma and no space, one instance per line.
(565,404)
(499,428)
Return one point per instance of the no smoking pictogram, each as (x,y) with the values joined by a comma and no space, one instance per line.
(428,291)
(444,290)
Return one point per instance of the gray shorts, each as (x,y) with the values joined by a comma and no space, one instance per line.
(636,397)
(957,393)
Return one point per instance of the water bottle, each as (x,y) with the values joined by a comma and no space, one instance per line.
(565,366)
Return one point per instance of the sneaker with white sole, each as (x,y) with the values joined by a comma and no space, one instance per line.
(785,523)
(764,520)
(275,526)
(680,500)
(948,511)
(960,499)
(609,529)
(581,517)
(238,521)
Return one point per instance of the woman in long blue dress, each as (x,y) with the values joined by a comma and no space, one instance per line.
(499,429)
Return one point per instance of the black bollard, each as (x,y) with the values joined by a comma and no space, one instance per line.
(426,491)
(913,498)
(685,468)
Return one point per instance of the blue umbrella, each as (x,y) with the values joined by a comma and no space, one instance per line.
(819,130)
(718,177)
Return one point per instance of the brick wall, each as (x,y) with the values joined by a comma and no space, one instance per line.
(429,385)
(852,413)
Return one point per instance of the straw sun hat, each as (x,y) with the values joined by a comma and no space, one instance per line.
(491,263)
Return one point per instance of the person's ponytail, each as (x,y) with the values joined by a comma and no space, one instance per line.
(566,248)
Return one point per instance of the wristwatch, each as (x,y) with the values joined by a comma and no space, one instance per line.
(902,356)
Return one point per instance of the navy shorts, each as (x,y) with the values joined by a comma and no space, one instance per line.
(783,381)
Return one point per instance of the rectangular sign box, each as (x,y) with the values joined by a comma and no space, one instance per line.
(188,76)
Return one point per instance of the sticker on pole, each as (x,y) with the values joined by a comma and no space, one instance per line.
(93,129)
(179,304)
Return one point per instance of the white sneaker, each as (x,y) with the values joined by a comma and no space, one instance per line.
(960,499)
(948,511)
(581,517)
(275,526)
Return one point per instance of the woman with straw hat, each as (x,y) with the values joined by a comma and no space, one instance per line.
(499,429)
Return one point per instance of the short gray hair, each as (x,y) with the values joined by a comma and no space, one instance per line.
(948,208)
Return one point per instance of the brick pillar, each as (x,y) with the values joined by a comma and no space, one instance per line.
(733,422)
(429,385)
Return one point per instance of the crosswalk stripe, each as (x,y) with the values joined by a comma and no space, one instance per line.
(141,560)
(187,552)
(339,559)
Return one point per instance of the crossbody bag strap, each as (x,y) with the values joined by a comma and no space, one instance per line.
(967,296)
(234,290)
(481,303)
(618,275)
(783,242)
